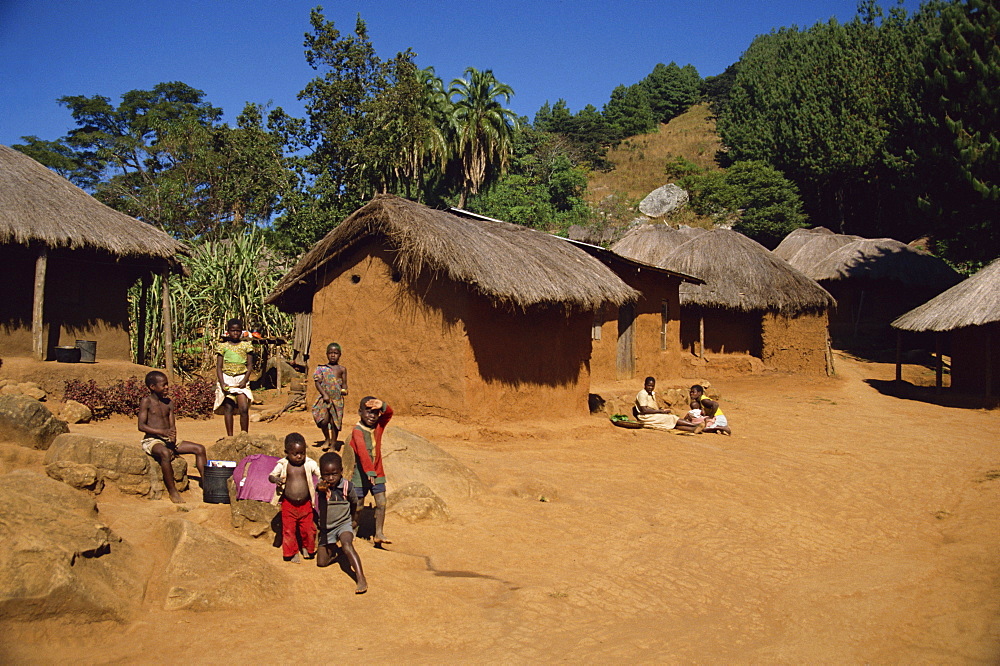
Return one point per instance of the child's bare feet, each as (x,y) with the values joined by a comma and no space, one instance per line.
(176,498)
(699,428)
(362,586)
(296,559)
(379,540)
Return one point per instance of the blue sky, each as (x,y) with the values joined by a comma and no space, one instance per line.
(252,50)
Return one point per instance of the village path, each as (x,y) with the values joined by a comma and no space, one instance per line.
(837,525)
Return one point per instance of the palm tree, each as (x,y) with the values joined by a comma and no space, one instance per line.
(484,129)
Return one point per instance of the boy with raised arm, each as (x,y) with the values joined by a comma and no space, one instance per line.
(366,441)
(156,420)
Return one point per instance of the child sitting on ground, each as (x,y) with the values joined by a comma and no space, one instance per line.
(338,517)
(369,476)
(328,410)
(156,419)
(295,478)
(706,412)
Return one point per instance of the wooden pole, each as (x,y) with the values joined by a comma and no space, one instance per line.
(939,370)
(38,345)
(168,326)
(899,355)
(140,333)
(701,336)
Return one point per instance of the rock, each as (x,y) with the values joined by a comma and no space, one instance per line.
(28,422)
(208,572)
(676,397)
(125,465)
(79,475)
(410,458)
(57,558)
(30,389)
(534,489)
(252,516)
(244,444)
(75,412)
(663,200)
(415,502)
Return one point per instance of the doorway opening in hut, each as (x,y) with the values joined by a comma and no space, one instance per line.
(725,331)
(626,343)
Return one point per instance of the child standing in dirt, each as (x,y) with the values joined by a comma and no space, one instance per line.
(331,383)
(338,517)
(156,419)
(295,478)
(366,441)
(233,366)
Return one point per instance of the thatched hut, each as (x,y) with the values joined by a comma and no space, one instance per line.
(69,261)
(451,315)
(969,313)
(874,281)
(642,336)
(651,243)
(751,303)
(820,242)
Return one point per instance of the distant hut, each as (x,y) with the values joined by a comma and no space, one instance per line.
(641,336)
(794,241)
(651,243)
(449,315)
(751,303)
(68,262)
(969,313)
(874,281)
(820,239)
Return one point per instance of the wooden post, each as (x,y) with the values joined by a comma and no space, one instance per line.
(899,355)
(140,333)
(38,345)
(168,326)
(701,336)
(279,360)
(939,370)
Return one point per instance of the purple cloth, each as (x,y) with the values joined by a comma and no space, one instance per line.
(250,477)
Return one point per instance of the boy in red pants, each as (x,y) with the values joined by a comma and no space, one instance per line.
(295,477)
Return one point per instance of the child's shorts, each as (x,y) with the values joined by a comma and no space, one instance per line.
(716,421)
(331,536)
(364,489)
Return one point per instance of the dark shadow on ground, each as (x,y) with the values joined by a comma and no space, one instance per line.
(930,395)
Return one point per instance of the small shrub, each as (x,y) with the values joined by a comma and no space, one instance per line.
(194,398)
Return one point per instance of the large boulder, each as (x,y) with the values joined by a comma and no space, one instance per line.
(243,444)
(125,465)
(410,458)
(663,200)
(254,517)
(208,572)
(25,421)
(415,502)
(57,558)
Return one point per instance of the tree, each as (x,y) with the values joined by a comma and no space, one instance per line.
(483,128)
(628,112)
(671,90)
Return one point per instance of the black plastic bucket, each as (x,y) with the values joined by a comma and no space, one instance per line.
(88,350)
(67,354)
(214,490)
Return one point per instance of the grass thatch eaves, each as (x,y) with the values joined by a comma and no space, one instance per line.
(798,238)
(617,262)
(513,266)
(38,206)
(741,274)
(883,259)
(816,250)
(973,302)
(651,243)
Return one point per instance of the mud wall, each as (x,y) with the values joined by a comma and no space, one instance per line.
(795,343)
(648,331)
(433,347)
(865,308)
(975,360)
(85,299)
(726,331)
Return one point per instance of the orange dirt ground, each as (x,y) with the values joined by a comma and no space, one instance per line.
(837,525)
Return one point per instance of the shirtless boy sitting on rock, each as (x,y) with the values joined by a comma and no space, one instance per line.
(156,419)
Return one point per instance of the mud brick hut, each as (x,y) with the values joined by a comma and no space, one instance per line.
(968,314)
(641,337)
(874,280)
(751,304)
(448,315)
(68,262)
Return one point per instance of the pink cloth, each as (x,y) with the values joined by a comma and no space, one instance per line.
(250,477)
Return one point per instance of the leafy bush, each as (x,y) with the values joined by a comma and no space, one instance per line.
(193,398)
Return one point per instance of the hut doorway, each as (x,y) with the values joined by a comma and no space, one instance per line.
(626,341)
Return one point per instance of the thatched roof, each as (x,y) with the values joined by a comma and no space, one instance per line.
(511,265)
(617,262)
(883,259)
(816,249)
(40,206)
(741,274)
(796,239)
(972,302)
(651,243)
